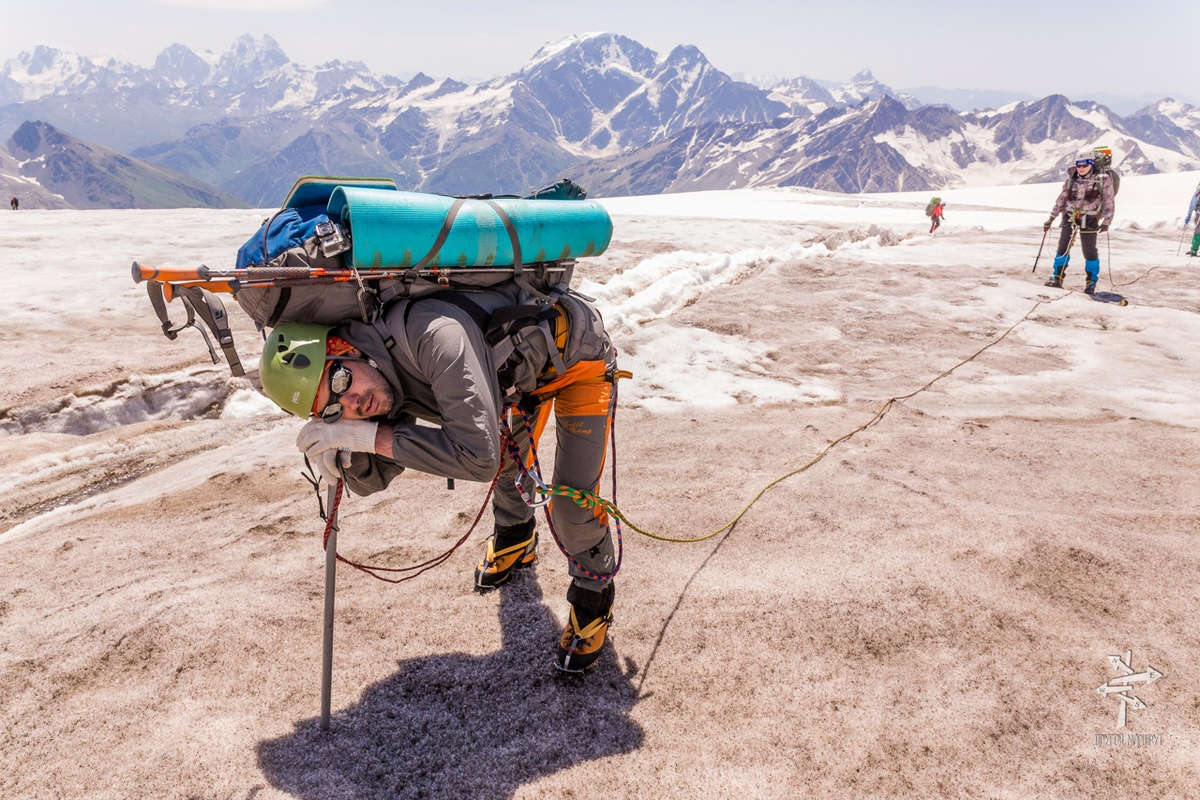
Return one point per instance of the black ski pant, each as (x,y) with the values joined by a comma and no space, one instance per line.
(1088,226)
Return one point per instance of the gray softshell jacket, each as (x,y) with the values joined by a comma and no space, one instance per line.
(452,384)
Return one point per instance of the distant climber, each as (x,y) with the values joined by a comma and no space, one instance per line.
(1194,212)
(1087,206)
(15,203)
(936,216)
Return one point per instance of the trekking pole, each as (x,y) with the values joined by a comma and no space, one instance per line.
(1182,236)
(224,280)
(330,575)
(1045,232)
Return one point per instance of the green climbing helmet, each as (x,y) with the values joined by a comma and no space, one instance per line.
(293,360)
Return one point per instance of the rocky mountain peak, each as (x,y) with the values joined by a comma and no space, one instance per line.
(686,54)
(248,61)
(585,99)
(41,59)
(591,52)
(33,138)
(48,71)
(863,86)
(802,96)
(77,174)
(178,65)
(1166,107)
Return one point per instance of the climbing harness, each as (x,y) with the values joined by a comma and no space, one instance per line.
(580,497)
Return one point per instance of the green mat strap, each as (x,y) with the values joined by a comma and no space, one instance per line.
(402,288)
(438,242)
(518,267)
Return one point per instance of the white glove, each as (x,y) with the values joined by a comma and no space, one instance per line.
(356,435)
(327,461)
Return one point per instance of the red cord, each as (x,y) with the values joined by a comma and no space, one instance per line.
(422,567)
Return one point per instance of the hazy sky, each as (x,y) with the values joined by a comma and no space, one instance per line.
(1020,45)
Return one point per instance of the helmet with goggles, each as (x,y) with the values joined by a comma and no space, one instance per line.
(293,361)
(1085,157)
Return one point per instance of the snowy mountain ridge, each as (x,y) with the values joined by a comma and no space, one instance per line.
(881,146)
(250,68)
(599,105)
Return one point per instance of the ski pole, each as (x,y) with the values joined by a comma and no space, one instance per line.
(1045,232)
(330,576)
(205,274)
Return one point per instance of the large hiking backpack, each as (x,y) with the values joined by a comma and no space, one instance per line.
(413,243)
(1103,166)
(343,248)
(934,203)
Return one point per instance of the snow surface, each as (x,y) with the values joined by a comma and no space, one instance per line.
(854,635)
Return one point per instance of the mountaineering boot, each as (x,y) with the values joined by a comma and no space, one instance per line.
(1060,266)
(583,639)
(1195,245)
(1092,269)
(509,548)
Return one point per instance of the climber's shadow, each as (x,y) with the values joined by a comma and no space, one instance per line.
(455,725)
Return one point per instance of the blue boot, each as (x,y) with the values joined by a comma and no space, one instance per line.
(1060,266)
(1092,268)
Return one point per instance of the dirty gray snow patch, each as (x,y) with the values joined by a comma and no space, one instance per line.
(873,235)
(196,394)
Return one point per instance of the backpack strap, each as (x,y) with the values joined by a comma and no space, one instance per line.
(504,330)
(508,327)
(518,267)
(266,229)
(285,294)
(404,286)
(391,342)
(159,303)
(212,311)
(210,308)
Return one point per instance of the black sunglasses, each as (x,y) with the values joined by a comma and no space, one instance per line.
(340,380)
